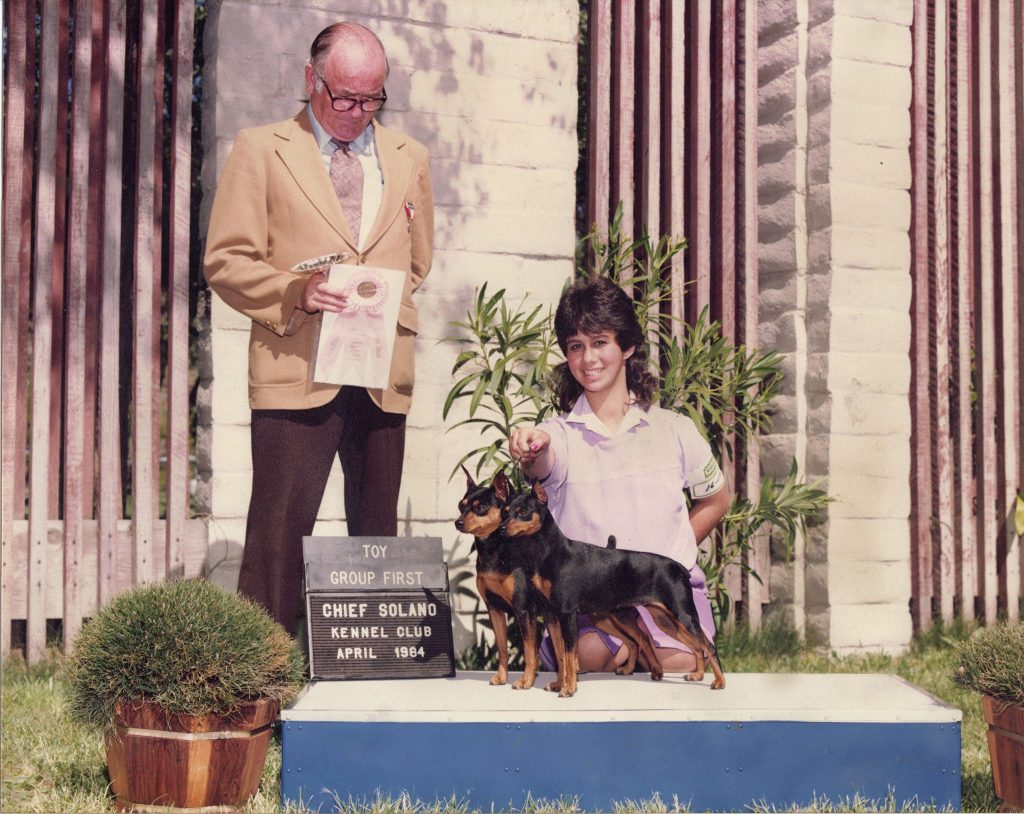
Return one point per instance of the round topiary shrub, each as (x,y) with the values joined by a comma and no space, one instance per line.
(187,646)
(991,662)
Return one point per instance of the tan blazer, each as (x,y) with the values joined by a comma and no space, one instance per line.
(275,207)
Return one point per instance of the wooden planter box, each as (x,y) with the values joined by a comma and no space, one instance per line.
(171,762)
(1006,749)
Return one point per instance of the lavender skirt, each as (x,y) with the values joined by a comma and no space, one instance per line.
(658,637)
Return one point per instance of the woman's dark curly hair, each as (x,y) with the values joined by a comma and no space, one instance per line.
(589,307)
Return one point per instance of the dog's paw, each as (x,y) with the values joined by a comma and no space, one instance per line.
(498,680)
(657,675)
(566,693)
(694,676)
(718,684)
(554,686)
(522,684)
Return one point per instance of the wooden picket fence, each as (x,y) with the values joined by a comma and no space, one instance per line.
(967,316)
(672,134)
(95,319)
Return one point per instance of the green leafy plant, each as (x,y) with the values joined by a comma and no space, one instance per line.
(991,662)
(502,378)
(501,373)
(188,646)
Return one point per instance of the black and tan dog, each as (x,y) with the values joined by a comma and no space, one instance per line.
(502,573)
(503,580)
(575,577)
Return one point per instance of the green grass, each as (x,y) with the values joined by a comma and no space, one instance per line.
(49,763)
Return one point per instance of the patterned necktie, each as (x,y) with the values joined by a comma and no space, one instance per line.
(347,178)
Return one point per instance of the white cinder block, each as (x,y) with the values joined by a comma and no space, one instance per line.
(870,207)
(873,456)
(883,249)
(230,492)
(859,412)
(874,541)
(494,98)
(459,138)
(869,331)
(856,289)
(859,583)
(854,80)
(900,12)
(871,123)
(873,165)
(884,373)
(231,447)
(871,41)
(861,627)
(867,497)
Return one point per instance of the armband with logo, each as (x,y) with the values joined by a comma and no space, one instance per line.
(709,481)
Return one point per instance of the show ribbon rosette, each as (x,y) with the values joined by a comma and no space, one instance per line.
(356,344)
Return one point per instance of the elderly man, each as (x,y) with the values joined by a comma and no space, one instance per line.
(331,180)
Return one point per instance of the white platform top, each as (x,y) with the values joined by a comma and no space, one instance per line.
(469,698)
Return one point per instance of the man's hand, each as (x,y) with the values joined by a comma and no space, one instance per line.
(319,295)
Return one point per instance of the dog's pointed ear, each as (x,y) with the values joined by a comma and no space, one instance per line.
(539,493)
(501,487)
(469,478)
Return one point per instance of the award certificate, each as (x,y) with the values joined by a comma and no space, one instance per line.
(355,344)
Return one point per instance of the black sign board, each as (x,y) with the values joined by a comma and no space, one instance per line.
(378,607)
(374,563)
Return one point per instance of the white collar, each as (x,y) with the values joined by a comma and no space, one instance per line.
(583,413)
(363,144)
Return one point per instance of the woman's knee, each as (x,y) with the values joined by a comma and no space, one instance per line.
(595,657)
(676,661)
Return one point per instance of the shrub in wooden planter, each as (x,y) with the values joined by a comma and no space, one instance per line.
(186,679)
(991,662)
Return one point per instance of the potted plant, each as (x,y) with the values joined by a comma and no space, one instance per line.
(186,679)
(991,662)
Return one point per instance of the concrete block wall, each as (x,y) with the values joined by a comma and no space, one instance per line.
(490,88)
(835,264)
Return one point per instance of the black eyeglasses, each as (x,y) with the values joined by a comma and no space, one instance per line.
(343,104)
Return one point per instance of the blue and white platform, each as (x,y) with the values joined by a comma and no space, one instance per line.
(779,739)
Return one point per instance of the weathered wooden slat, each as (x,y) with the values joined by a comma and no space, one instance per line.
(701,219)
(28,174)
(12,340)
(759,559)
(726,92)
(74,371)
(599,121)
(725,234)
(623,101)
(985,311)
(942,440)
(178,293)
(649,141)
(1010,166)
(42,336)
(966,527)
(194,553)
(143,401)
(921,535)
(60,225)
(94,237)
(675,121)
(109,503)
